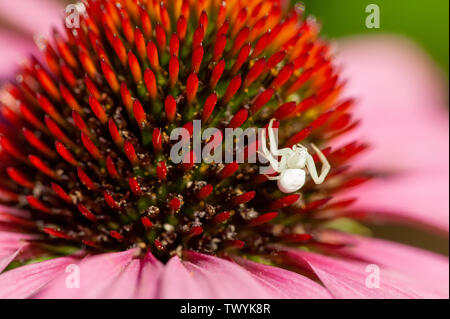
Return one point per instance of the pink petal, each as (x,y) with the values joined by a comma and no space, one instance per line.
(97,274)
(9,219)
(347,279)
(32,16)
(139,279)
(125,284)
(210,277)
(226,279)
(151,269)
(402,103)
(13,211)
(23,282)
(429,269)
(288,284)
(15,50)
(5,260)
(27,18)
(177,282)
(10,242)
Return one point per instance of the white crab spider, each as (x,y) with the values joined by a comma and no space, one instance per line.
(293,164)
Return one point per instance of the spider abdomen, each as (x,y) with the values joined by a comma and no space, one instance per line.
(292,180)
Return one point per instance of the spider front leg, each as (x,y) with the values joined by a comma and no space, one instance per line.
(273,142)
(312,167)
(265,152)
(273,178)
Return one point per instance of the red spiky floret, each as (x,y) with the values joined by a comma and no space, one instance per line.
(87,143)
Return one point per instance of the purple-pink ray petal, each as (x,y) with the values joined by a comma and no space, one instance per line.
(151,269)
(227,279)
(177,282)
(32,16)
(25,281)
(97,273)
(289,284)
(125,284)
(346,279)
(14,51)
(5,260)
(429,269)
(402,103)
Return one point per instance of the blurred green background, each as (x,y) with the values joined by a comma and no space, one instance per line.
(425,22)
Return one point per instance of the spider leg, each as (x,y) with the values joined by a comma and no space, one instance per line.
(273,178)
(265,152)
(272,139)
(312,167)
(273,143)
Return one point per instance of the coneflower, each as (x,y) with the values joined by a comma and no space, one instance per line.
(85,145)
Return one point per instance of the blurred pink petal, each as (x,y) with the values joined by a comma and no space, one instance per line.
(32,16)
(402,106)
(288,284)
(431,268)
(11,244)
(347,279)
(10,241)
(97,273)
(13,211)
(25,281)
(25,19)
(9,217)
(6,259)
(14,51)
